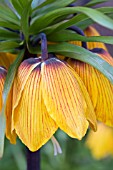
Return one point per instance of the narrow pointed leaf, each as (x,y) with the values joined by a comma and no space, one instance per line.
(44,3)
(71,36)
(81,20)
(47,19)
(25,20)
(6,34)
(8,24)
(52,6)
(8,45)
(95,2)
(18,7)
(7,14)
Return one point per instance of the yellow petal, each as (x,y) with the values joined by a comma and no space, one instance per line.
(23,73)
(8,112)
(11,135)
(99,88)
(90,114)
(31,121)
(91,31)
(11,57)
(63,98)
(101,142)
(76,43)
(104,107)
(4,60)
(88,76)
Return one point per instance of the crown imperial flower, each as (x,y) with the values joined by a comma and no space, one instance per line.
(47,95)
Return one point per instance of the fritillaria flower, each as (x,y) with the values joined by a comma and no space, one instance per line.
(101,142)
(47,95)
(8,112)
(98,86)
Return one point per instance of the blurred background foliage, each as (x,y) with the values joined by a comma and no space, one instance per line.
(75,156)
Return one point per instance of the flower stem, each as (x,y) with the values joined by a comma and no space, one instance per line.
(42,37)
(80,32)
(33,160)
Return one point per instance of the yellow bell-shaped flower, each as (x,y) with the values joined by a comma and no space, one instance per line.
(98,86)
(48,95)
(8,112)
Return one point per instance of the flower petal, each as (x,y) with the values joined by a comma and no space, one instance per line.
(90,114)
(4,60)
(99,88)
(63,98)
(91,31)
(31,121)
(23,73)
(9,135)
(88,76)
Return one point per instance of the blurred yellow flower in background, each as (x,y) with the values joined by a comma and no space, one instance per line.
(101,142)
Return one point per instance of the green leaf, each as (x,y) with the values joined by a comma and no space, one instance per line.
(79,53)
(6,35)
(7,86)
(7,14)
(45,3)
(67,35)
(18,7)
(84,21)
(47,19)
(25,20)
(50,7)
(24,3)
(8,45)
(36,3)
(8,24)
(95,2)
(80,20)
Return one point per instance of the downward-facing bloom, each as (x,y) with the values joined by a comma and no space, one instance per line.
(8,111)
(48,95)
(98,86)
(101,142)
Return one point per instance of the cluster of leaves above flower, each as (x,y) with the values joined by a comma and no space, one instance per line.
(68,95)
